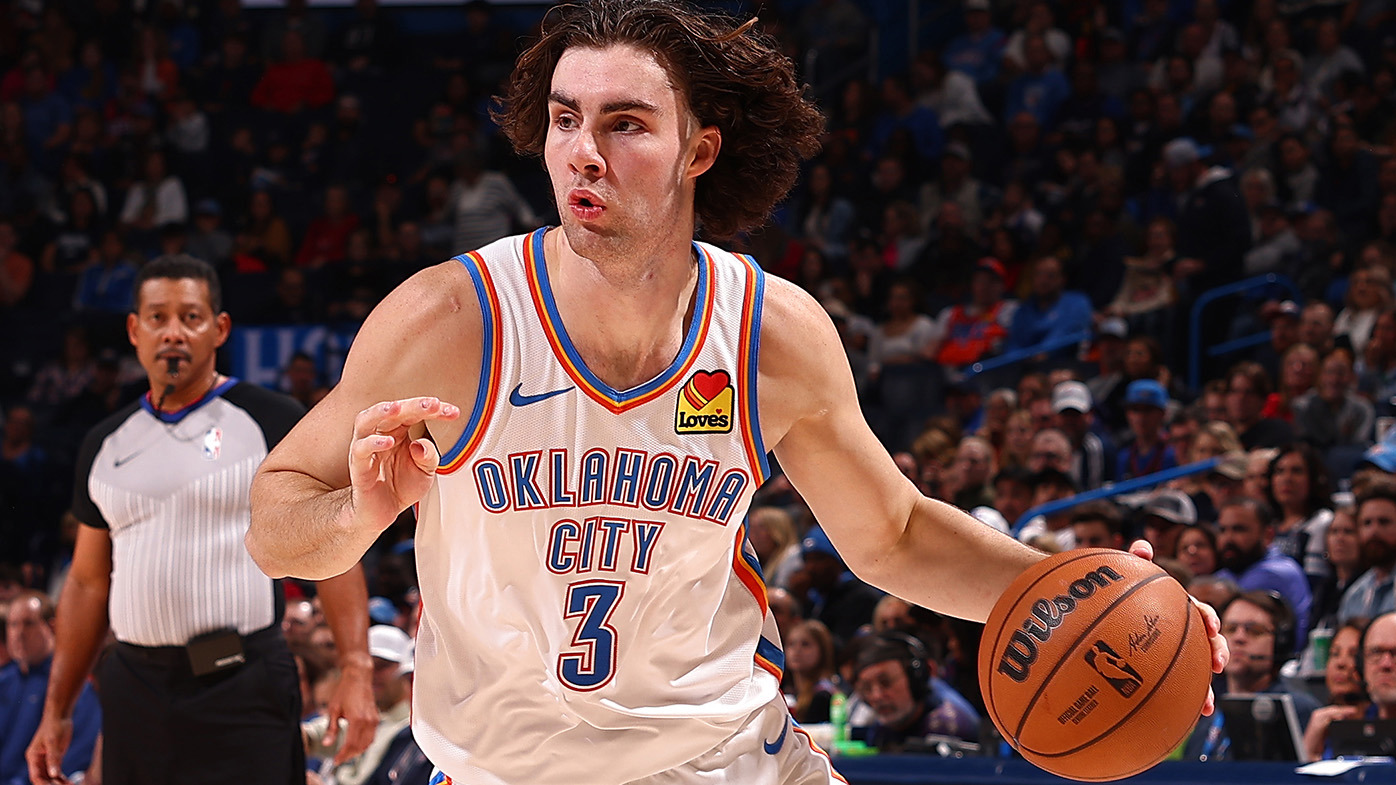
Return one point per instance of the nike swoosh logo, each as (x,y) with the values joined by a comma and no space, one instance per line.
(772,747)
(519,399)
(119,462)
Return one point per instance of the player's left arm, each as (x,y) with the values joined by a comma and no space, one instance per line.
(922,550)
(344,599)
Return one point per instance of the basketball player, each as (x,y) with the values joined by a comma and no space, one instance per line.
(582,415)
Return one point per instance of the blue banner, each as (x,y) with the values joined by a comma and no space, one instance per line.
(258,354)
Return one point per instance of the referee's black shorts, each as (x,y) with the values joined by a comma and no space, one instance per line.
(162,725)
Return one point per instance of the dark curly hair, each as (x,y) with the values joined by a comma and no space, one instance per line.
(733,76)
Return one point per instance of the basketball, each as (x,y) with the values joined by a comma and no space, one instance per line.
(1094,664)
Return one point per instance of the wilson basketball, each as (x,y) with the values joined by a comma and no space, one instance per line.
(1094,664)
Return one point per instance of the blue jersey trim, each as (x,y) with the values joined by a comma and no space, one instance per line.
(482,388)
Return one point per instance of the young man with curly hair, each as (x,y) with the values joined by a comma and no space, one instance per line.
(582,414)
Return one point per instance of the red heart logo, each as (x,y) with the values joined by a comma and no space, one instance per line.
(708,386)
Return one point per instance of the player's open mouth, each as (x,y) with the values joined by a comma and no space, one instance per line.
(585,205)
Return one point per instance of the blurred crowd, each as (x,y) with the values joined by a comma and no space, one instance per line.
(1053,183)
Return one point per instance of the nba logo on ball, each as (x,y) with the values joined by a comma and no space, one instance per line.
(1094,664)
(213,443)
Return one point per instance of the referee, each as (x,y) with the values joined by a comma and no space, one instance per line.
(200,686)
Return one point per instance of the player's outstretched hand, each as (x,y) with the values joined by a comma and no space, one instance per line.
(1211,623)
(390,471)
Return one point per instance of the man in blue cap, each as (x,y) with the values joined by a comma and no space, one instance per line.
(836,597)
(1148,452)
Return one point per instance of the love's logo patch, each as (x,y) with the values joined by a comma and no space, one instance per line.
(705,404)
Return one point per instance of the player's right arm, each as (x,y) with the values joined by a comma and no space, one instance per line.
(362,455)
(81,620)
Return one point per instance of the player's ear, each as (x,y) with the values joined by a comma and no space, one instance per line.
(131,319)
(707,141)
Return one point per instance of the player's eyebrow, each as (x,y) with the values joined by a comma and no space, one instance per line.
(629,105)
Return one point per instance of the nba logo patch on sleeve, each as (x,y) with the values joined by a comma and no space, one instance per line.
(213,443)
(705,404)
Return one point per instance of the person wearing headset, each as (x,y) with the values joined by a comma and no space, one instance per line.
(1259,627)
(892,674)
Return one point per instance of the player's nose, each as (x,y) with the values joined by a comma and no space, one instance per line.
(585,154)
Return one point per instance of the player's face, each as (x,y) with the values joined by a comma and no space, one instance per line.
(174,321)
(886,689)
(622,151)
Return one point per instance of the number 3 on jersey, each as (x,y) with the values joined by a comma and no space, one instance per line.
(591,662)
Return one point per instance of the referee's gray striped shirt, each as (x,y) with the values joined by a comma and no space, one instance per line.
(173,489)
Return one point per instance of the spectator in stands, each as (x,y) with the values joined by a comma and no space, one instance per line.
(1334,415)
(1298,372)
(327,238)
(978,51)
(1372,593)
(1245,554)
(1343,549)
(1051,532)
(391,650)
(107,286)
(487,206)
(777,544)
(29,642)
(1214,439)
(157,200)
(1347,694)
(974,467)
(901,114)
(1040,89)
(208,240)
(836,597)
(1213,231)
(1091,457)
(1098,524)
(1051,313)
(1148,452)
(1257,626)
(1274,236)
(1296,107)
(1197,549)
(1369,293)
(893,673)
(975,330)
(951,93)
(898,362)
(296,82)
(1348,183)
(1377,365)
(1378,652)
(1316,327)
(1247,388)
(1147,293)
(1300,497)
(826,219)
(368,42)
(957,184)
(1164,516)
(810,678)
(65,378)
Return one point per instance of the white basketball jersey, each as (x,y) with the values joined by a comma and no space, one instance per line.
(592,610)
